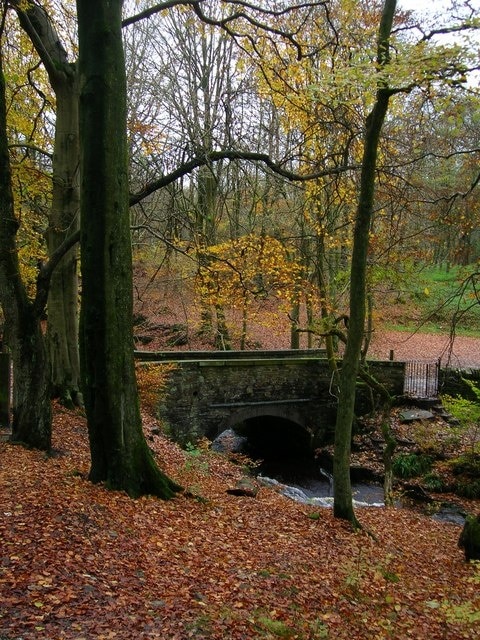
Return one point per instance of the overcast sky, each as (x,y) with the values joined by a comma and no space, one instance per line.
(432,5)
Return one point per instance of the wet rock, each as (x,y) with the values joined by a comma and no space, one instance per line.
(470,538)
(244,487)
(229,442)
(411,415)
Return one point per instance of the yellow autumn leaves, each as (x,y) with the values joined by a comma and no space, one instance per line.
(236,273)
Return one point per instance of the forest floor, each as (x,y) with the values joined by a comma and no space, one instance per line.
(461,352)
(79,562)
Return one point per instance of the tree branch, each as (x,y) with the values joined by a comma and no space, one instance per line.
(32,147)
(237,16)
(216,156)
(37,24)
(46,270)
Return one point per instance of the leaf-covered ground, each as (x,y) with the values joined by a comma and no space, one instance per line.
(80,562)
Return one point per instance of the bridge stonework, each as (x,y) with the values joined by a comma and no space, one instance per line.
(209,392)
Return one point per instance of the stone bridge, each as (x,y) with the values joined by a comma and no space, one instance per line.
(272,392)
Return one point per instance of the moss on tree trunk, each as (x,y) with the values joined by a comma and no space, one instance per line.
(119,453)
(343,502)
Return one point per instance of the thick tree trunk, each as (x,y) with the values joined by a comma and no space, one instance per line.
(120,455)
(31,409)
(343,501)
(62,328)
(32,418)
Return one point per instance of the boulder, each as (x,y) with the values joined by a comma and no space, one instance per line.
(229,442)
(470,538)
(410,415)
(244,487)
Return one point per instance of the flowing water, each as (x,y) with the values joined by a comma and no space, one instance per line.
(315,487)
(321,493)
(303,480)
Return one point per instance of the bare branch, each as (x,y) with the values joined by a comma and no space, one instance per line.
(216,156)
(242,14)
(458,28)
(32,147)
(47,268)
(157,8)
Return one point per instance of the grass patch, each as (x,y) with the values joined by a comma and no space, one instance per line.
(442,296)
(411,325)
(430,298)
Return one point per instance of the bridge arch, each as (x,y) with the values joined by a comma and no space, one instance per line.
(289,413)
(274,433)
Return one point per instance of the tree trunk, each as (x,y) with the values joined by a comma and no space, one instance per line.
(32,419)
(343,501)
(62,327)
(294,324)
(120,455)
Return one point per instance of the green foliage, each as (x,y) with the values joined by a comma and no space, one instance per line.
(466,411)
(273,628)
(411,465)
(433,438)
(467,464)
(319,630)
(467,468)
(433,482)
(197,456)
(276,627)
(466,614)
(442,296)
(468,489)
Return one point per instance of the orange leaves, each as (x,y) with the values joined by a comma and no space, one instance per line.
(152,379)
(77,561)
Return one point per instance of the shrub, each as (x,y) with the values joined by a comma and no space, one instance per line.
(433,482)
(466,411)
(411,465)
(467,464)
(468,489)
(152,379)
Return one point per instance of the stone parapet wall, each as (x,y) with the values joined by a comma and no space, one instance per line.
(206,396)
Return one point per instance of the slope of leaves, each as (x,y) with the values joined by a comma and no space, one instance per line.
(77,561)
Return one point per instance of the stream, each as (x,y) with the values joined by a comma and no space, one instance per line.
(300,478)
(315,487)
(310,484)
(321,493)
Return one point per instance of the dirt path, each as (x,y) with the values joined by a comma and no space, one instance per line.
(424,347)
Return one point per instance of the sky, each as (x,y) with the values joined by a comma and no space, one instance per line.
(432,6)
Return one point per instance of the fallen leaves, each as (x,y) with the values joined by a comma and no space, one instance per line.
(77,561)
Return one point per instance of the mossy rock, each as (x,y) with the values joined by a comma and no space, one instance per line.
(470,538)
